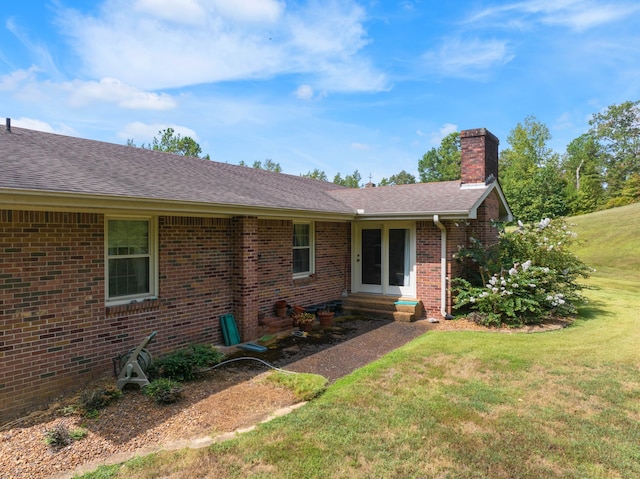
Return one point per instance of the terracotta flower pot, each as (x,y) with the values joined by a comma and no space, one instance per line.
(305,326)
(281,308)
(325,318)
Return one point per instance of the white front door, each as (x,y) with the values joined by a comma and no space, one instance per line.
(384,262)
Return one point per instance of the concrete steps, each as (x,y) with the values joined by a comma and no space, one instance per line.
(395,308)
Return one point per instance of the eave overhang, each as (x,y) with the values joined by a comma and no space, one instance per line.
(38,200)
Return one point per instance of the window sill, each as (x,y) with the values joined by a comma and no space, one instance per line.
(133,307)
(304,280)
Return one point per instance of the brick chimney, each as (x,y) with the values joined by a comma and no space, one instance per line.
(479,155)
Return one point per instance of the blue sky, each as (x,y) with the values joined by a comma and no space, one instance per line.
(335,85)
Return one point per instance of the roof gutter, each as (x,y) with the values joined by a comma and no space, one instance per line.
(443,267)
(414,216)
(39,200)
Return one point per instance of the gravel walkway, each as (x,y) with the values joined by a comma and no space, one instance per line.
(346,357)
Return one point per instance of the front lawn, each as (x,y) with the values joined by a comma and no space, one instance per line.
(562,404)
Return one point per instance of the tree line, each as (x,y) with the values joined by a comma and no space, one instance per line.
(599,169)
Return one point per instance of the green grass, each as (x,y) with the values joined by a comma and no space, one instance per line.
(611,242)
(304,386)
(563,404)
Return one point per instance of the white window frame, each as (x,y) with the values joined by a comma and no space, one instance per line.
(153,261)
(311,247)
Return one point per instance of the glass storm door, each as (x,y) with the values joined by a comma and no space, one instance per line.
(398,253)
(384,261)
(371,263)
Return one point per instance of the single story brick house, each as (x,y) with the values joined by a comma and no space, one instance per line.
(100,244)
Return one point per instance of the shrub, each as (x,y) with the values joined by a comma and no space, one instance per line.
(184,364)
(92,400)
(60,436)
(528,275)
(205,355)
(163,390)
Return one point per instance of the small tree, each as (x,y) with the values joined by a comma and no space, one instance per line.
(316,174)
(529,275)
(441,164)
(352,181)
(402,178)
(172,142)
(268,165)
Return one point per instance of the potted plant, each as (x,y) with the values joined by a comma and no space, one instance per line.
(325,316)
(304,321)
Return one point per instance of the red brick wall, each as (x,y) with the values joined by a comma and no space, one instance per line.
(488,212)
(196,259)
(56,332)
(428,266)
(428,252)
(332,272)
(51,300)
(245,276)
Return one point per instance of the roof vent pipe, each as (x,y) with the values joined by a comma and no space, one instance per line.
(8,124)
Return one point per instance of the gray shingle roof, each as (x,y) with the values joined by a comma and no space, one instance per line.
(36,161)
(417,199)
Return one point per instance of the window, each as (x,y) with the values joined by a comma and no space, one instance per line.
(303,262)
(130,259)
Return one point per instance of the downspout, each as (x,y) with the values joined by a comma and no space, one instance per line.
(443,267)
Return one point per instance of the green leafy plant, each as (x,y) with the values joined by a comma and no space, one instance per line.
(77,434)
(205,355)
(184,364)
(303,318)
(163,390)
(527,276)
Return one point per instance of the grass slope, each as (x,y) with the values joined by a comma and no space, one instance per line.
(468,405)
(610,242)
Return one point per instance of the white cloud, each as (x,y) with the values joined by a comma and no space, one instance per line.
(582,19)
(473,58)
(577,15)
(446,129)
(195,12)
(149,46)
(407,5)
(14,80)
(249,10)
(110,90)
(360,146)
(33,124)
(80,94)
(563,122)
(37,51)
(356,75)
(188,12)
(304,92)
